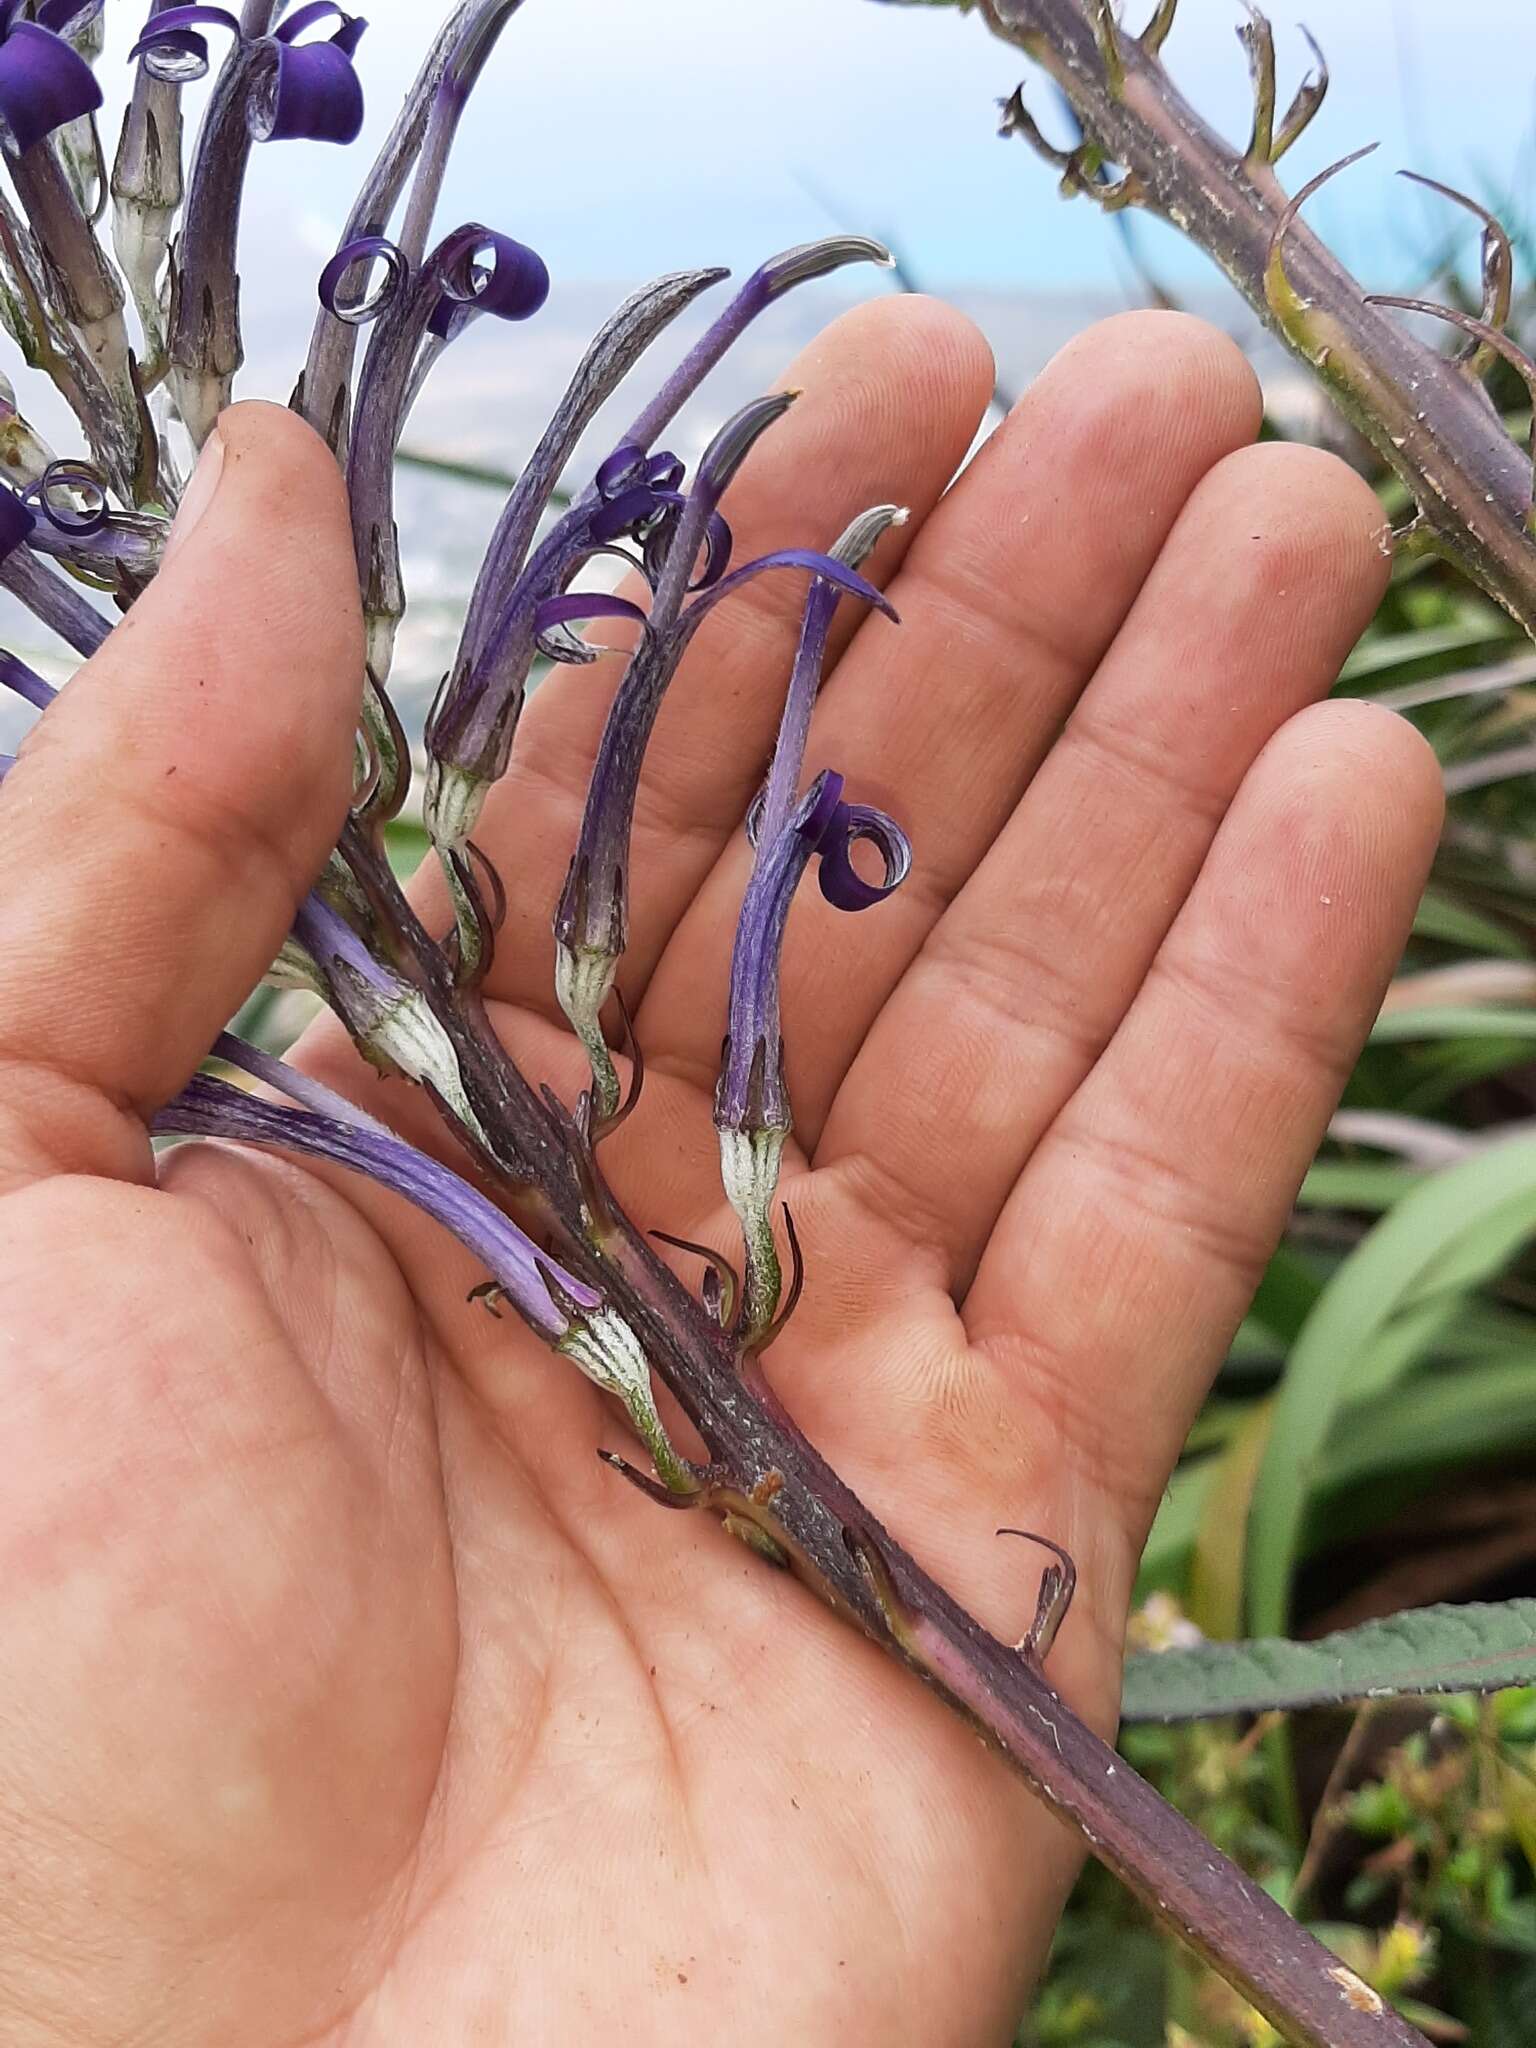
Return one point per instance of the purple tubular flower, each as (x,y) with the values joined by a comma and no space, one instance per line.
(203,339)
(591,916)
(750,1094)
(391,1022)
(76,524)
(268,88)
(304,1089)
(752,1109)
(47,596)
(79,291)
(591,920)
(469,734)
(782,787)
(53,600)
(362,988)
(383,394)
(146,180)
(44,82)
(301,91)
(768,282)
(549,1299)
(25,682)
(420,136)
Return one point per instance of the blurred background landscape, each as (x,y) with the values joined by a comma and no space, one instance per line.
(1371,1445)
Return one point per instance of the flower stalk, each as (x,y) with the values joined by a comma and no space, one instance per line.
(1427,420)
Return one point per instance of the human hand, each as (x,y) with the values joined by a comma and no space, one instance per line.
(346,1699)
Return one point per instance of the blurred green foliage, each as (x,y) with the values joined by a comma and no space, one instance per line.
(1371,1442)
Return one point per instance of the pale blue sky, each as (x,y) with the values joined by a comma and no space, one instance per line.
(628,136)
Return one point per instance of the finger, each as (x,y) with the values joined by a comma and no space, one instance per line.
(1130,1248)
(891,397)
(170,809)
(1024,980)
(1010,596)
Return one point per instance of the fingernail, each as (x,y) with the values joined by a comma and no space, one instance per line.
(198,495)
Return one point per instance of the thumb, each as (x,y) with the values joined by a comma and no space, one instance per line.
(170,809)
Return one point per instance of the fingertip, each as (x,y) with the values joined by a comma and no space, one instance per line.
(1377,766)
(261,604)
(1336,829)
(1317,523)
(1158,381)
(910,368)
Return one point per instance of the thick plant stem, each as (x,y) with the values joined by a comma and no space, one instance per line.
(772,1487)
(768,1471)
(1432,424)
(770,1484)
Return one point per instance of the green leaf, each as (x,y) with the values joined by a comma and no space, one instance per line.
(1286,1295)
(1387,653)
(406,843)
(1216,1572)
(1485,1408)
(1441,917)
(1165,1559)
(1358,1184)
(1382,1311)
(1478,1648)
(1452,1020)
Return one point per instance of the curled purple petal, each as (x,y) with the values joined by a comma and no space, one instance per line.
(306,17)
(620,470)
(57,492)
(179,57)
(366,250)
(307,92)
(553,619)
(624,512)
(16,522)
(718,542)
(67,17)
(841,883)
(44,84)
(512,285)
(571,605)
(826,567)
(171,41)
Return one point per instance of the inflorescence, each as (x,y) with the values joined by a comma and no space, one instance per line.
(146,386)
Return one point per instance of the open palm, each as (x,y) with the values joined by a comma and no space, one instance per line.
(345,1698)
